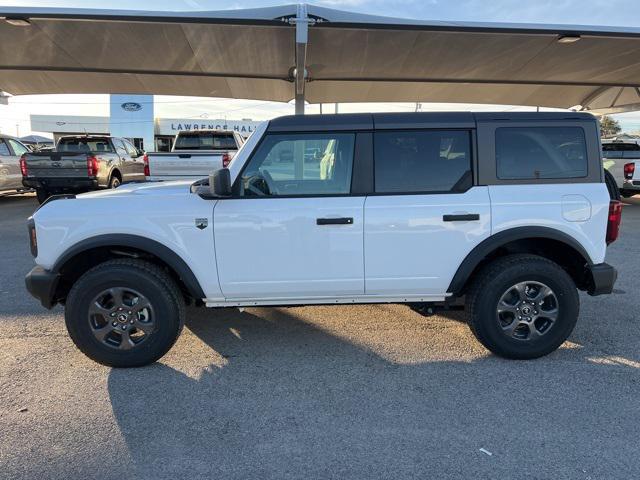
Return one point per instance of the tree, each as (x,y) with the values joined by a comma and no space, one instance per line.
(609,126)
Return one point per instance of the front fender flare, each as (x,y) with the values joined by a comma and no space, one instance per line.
(153,247)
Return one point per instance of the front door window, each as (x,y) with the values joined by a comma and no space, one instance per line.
(300,164)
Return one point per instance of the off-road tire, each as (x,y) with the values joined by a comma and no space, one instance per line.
(149,279)
(497,277)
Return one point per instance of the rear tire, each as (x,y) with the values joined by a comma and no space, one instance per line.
(506,291)
(42,195)
(114,182)
(125,313)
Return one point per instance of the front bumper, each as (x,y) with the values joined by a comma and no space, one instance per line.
(42,285)
(602,278)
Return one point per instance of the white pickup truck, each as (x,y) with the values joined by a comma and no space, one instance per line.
(195,154)
(506,211)
(622,159)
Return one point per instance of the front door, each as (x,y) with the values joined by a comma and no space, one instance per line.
(135,161)
(293,229)
(426,215)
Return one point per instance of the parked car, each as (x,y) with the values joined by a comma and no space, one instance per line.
(82,163)
(401,208)
(622,159)
(195,155)
(11,149)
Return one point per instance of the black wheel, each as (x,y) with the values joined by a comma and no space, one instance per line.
(114,182)
(522,306)
(125,313)
(612,186)
(627,193)
(42,195)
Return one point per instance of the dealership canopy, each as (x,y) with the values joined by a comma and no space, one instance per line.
(319,55)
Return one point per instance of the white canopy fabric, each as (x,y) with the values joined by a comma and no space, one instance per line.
(347,57)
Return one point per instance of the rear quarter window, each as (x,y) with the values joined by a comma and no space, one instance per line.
(541,153)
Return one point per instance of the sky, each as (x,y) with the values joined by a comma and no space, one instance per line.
(14,118)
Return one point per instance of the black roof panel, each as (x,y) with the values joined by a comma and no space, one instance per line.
(534,116)
(384,121)
(310,123)
(424,120)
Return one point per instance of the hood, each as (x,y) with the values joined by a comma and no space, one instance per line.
(179,187)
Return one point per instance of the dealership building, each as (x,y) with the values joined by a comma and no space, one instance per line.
(132,117)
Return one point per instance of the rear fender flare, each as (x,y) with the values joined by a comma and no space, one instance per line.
(473,259)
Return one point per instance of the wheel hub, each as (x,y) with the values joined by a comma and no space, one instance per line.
(527,310)
(121,318)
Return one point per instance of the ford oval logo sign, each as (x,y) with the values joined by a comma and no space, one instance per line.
(131,107)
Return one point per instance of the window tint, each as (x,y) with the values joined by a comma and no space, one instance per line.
(71,144)
(300,164)
(4,148)
(18,148)
(540,152)
(205,141)
(422,161)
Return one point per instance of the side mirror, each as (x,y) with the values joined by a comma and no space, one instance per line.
(220,183)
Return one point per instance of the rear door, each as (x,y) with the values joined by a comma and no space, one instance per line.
(294,228)
(425,215)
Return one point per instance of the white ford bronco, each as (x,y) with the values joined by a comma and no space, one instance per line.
(506,211)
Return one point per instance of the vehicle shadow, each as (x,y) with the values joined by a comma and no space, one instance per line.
(283,398)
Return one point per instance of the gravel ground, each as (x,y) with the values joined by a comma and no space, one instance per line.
(320,392)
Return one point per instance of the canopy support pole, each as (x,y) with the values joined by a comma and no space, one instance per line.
(301,22)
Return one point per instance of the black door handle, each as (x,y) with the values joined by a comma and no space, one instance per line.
(465,217)
(334,221)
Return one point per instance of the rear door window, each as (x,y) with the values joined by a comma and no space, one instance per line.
(541,153)
(422,161)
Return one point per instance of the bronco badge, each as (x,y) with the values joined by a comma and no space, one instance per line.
(202,223)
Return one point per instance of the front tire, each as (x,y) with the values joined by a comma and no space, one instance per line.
(125,313)
(522,306)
